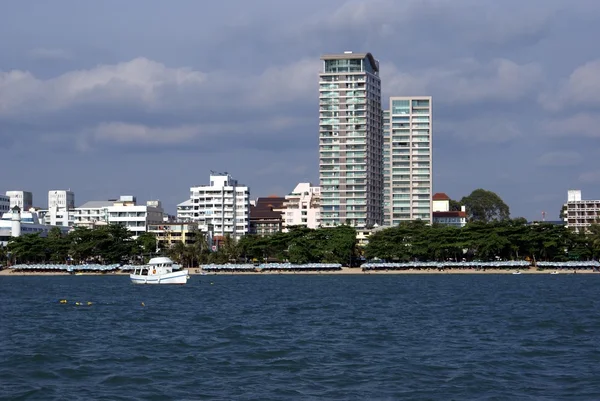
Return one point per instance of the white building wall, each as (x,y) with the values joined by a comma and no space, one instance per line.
(574,195)
(89,217)
(408,160)
(441,206)
(302,207)
(62,199)
(135,217)
(22,199)
(580,214)
(222,207)
(350,140)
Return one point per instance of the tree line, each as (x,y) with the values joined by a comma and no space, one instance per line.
(511,239)
(489,235)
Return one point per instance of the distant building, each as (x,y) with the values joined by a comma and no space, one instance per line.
(168,234)
(4,204)
(302,207)
(61,199)
(265,215)
(92,213)
(442,213)
(22,199)
(61,204)
(185,211)
(580,214)
(221,207)
(124,211)
(407,160)
(16,223)
(350,140)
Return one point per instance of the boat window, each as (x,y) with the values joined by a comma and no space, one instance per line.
(144,272)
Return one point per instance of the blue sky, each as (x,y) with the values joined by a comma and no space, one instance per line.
(146,97)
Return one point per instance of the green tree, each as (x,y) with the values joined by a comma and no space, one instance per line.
(485,206)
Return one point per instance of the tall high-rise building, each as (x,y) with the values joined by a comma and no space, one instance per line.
(407,160)
(350,140)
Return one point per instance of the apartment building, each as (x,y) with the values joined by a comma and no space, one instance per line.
(124,211)
(221,207)
(302,207)
(350,140)
(407,159)
(580,214)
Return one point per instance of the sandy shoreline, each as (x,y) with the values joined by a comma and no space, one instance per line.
(345,270)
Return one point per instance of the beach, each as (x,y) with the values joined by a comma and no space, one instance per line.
(343,271)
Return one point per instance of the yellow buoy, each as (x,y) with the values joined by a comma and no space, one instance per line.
(143,304)
(63,301)
(89,303)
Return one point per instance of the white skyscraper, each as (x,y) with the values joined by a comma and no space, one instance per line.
(408,160)
(350,140)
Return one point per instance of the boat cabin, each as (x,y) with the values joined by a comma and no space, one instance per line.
(160,265)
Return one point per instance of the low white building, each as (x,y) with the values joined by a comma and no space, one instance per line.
(22,199)
(135,217)
(302,207)
(443,215)
(580,214)
(16,223)
(222,207)
(92,213)
(124,211)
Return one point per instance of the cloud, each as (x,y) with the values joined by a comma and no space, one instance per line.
(142,101)
(49,54)
(466,81)
(582,88)
(560,159)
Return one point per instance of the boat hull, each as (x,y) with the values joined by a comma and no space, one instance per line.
(179,277)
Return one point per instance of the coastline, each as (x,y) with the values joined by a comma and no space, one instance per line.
(344,270)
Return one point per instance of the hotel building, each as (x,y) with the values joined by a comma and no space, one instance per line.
(580,214)
(350,140)
(221,207)
(407,160)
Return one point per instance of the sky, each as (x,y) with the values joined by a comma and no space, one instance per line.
(146,97)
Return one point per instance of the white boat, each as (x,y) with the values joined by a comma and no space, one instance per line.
(554,272)
(159,271)
(517,272)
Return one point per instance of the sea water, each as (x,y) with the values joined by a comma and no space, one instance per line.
(301,337)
